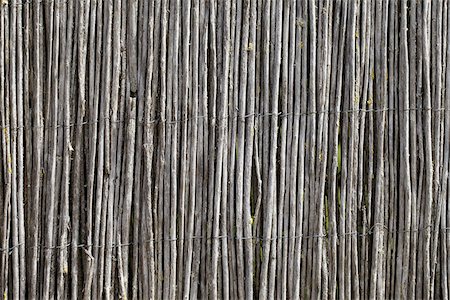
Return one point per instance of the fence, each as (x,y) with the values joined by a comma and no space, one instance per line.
(169,149)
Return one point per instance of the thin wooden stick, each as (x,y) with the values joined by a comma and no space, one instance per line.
(376,283)
(271,192)
(222,111)
(404,99)
(37,150)
(53,99)
(282,210)
(11,108)
(428,156)
(193,151)
(184,185)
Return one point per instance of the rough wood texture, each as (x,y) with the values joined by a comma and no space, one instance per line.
(249,149)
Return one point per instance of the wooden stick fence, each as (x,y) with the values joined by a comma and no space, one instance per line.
(249,149)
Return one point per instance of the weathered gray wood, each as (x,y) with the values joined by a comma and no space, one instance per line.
(94,71)
(292,145)
(428,201)
(270,212)
(322,150)
(445,220)
(302,94)
(193,152)
(222,120)
(417,271)
(282,208)
(53,104)
(184,115)
(377,280)
(222,149)
(405,152)
(67,147)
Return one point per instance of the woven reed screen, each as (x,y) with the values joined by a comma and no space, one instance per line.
(222,149)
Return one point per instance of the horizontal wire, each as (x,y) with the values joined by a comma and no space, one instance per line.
(30,2)
(261,239)
(211,118)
